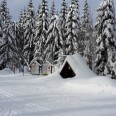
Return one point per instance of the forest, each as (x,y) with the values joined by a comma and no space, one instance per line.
(51,35)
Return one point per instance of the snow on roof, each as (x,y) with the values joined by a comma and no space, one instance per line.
(48,63)
(79,66)
(35,61)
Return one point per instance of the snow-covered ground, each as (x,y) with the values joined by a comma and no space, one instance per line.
(53,96)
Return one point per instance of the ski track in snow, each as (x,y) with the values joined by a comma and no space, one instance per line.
(54,96)
(10,109)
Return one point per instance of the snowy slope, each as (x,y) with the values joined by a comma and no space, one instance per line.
(53,96)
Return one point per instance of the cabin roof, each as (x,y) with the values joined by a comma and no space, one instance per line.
(78,65)
(35,60)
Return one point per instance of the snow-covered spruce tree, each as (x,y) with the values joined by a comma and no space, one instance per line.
(37,18)
(72,31)
(30,31)
(41,32)
(75,6)
(38,12)
(87,34)
(86,18)
(13,59)
(54,41)
(80,34)
(6,41)
(22,42)
(53,10)
(106,41)
(62,24)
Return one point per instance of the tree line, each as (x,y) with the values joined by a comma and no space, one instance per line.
(48,35)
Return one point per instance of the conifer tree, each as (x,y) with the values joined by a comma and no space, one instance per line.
(22,42)
(62,24)
(75,5)
(86,20)
(87,34)
(72,31)
(54,42)
(41,32)
(38,11)
(6,41)
(37,17)
(106,41)
(14,59)
(30,31)
(53,10)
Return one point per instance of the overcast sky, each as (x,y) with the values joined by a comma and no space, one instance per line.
(15,6)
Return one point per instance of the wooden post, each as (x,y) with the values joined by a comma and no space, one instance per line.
(51,69)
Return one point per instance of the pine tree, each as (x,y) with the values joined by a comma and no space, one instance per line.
(22,42)
(41,32)
(75,6)
(54,42)
(52,13)
(6,41)
(106,42)
(37,18)
(14,59)
(79,33)
(30,31)
(86,20)
(72,31)
(38,11)
(87,34)
(62,24)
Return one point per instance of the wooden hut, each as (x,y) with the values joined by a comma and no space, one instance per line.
(36,68)
(47,68)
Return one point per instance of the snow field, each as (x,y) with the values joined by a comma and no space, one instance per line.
(53,96)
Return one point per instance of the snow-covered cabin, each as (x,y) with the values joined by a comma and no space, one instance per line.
(47,68)
(36,68)
(75,66)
